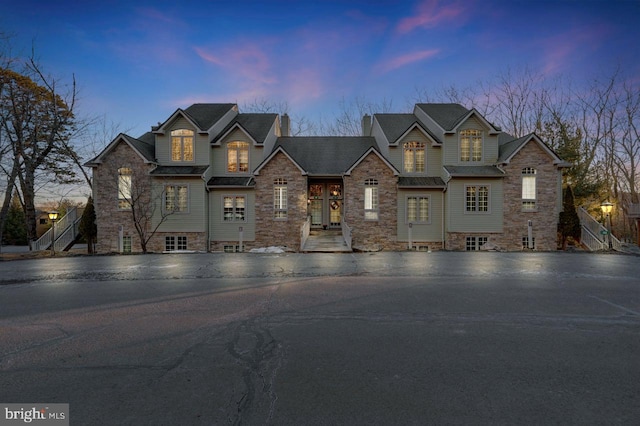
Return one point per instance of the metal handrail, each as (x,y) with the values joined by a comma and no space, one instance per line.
(346,233)
(305,230)
(60,228)
(597,231)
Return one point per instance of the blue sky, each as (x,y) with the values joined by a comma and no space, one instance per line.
(138,61)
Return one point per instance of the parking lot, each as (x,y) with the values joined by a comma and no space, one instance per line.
(366,338)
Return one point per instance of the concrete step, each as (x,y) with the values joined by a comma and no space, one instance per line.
(325,242)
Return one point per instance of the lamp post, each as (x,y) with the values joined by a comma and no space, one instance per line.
(53,216)
(606,209)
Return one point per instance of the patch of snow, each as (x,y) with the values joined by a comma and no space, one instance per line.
(271,249)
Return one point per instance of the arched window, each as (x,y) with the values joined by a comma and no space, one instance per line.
(238,157)
(124,188)
(182,145)
(371,199)
(414,158)
(529,189)
(280,198)
(471,145)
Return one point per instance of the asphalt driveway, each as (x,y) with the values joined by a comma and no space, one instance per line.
(381,338)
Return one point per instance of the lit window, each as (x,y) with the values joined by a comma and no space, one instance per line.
(182,145)
(528,188)
(417,209)
(371,199)
(280,198)
(234,208)
(176,198)
(471,145)
(124,188)
(477,198)
(414,159)
(238,157)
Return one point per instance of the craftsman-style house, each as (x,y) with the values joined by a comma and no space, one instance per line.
(210,178)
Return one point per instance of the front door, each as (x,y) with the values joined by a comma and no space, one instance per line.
(325,204)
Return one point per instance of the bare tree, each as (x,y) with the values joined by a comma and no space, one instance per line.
(300,125)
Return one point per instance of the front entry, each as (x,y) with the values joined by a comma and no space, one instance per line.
(325,204)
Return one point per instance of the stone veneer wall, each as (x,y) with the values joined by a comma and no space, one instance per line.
(195,241)
(458,240)
(545,218)
(372,235)
(272,232)
(105,183)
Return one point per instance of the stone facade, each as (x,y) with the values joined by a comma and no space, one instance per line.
(196,241)
(545,216)
(368,234)
(109,217)
(280,232)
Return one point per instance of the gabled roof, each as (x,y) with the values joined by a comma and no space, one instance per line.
(324,155)
(201,116)
(445,115)
(395,126)
(256,125)
(474,171)
(373,150)
(143,146)
(509,148)
(179,170)
(450,116)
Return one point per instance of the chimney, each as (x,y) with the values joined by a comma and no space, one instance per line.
(285,126)
(366,125)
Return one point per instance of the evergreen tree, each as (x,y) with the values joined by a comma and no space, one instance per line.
(15,229)
(88,227)
(569,224)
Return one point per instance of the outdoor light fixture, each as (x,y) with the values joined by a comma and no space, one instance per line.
(53,216)
(606,209)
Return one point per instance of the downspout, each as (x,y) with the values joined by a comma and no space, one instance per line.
(443,218)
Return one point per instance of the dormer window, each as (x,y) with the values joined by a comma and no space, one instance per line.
(414,159)
(471,145)
(238,157)
(182,145)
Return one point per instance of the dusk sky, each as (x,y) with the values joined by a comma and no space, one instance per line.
(138,61)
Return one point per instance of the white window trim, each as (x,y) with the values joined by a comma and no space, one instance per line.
(120,195)
(414,150)
(482,144)
(406,208)
(464,198)
(375,210)
(193,147)
(277,209)
(164,198)
(226,157)
(234,196)
(533,200)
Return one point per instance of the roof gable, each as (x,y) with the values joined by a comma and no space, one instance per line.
(256,126)
(276,151)
(397,126)
(202,116)
(143,148)
(373,151)
(509,148)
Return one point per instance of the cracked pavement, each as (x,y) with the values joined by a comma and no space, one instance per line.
(368,338)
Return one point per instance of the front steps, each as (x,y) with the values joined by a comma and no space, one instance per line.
(329,241)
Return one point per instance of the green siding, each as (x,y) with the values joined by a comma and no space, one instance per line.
(459,220)
(192,221)
(433,154)
(163,145)
(229,231)
(421,232)
(219,154)
(489,144)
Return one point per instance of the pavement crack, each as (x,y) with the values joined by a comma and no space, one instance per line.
(261,356)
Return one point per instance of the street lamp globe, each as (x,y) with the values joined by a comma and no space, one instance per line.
(53,216)
(606,207)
